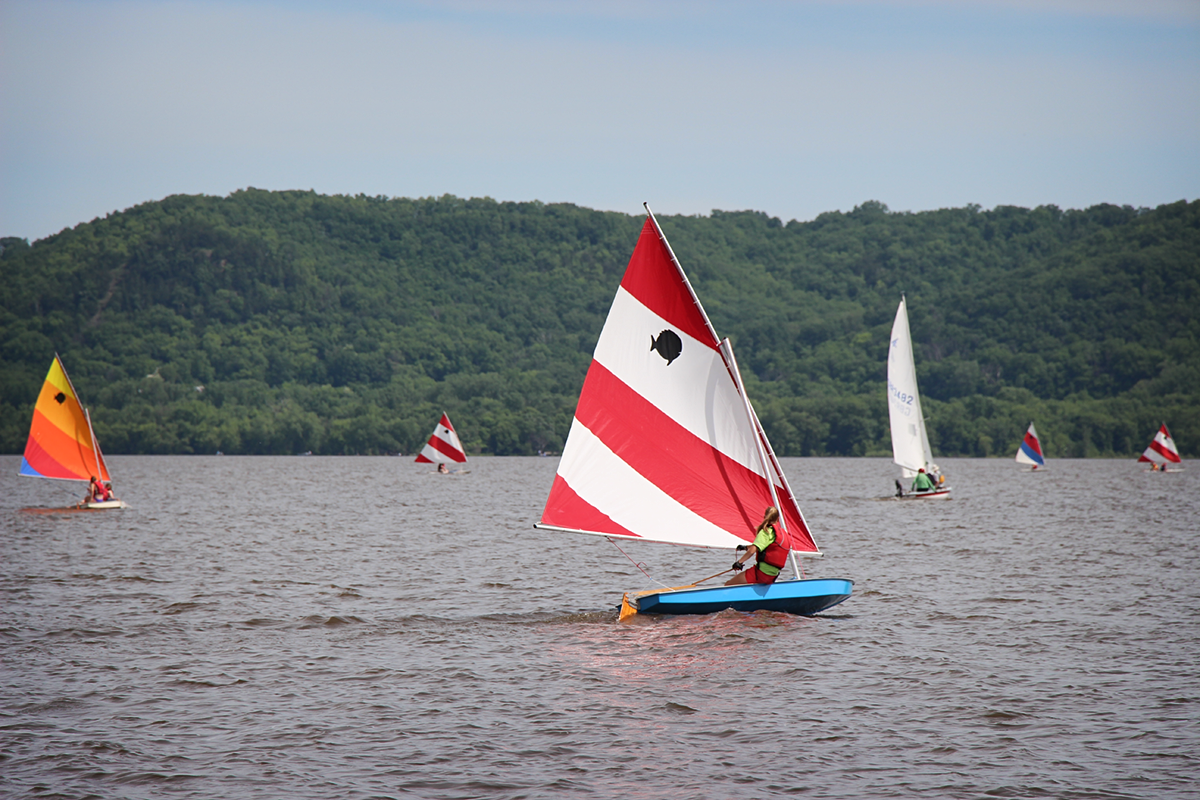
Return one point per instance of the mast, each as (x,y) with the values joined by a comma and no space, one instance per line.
(727,351)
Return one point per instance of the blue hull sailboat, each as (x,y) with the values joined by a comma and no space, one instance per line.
(665,447)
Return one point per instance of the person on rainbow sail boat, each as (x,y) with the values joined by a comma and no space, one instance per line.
(769,555)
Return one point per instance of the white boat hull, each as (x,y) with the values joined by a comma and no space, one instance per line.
(103,505)
(938,494)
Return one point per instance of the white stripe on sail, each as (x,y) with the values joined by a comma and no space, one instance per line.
(602,479)
(695,390)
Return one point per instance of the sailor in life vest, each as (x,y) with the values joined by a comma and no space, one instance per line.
(768,554)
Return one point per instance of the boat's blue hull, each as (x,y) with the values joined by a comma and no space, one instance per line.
(791,597)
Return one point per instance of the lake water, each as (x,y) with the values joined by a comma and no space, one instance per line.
(364,628)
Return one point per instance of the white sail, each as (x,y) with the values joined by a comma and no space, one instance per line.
(910,444)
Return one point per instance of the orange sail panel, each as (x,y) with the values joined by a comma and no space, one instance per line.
(61,444)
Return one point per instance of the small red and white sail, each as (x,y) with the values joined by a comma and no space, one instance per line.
(1162,450)
(1030,451)
(443,446)
(664,445)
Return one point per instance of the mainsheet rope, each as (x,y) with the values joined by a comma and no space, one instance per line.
(636,564)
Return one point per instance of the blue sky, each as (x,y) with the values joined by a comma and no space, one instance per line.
(792,108)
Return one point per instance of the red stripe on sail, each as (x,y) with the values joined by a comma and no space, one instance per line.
(56,454)
(657,284)
(447,449)
(566,509)
(1165,452)
(1033,444)
(683,466)
(44,464)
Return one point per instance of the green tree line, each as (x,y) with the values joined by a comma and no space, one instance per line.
(283,322)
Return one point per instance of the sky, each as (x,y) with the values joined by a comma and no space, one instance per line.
(790,108)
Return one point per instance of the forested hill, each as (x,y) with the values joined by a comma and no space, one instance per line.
(283,322)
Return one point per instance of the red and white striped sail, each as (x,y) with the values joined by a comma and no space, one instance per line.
(1162,449)
(664,445)
(443,446)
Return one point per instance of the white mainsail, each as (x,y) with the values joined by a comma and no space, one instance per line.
(664,445)
(910,444)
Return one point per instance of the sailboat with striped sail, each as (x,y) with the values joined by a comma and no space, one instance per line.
(665,447)
(62,444)
(1162,454)
(443,447)
(1030,451)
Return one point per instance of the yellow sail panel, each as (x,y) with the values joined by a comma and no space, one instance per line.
(60,441)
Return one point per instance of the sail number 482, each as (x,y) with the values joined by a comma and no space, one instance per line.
(901,397)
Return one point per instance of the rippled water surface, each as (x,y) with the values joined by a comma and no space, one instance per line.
(362,628)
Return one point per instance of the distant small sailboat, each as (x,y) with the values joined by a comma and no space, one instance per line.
(1030,451)
(665,447)
(443,446)
(62,444)
(1162,452)
(910,442)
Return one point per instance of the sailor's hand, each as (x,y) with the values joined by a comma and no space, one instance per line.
(737,566)
(740,548)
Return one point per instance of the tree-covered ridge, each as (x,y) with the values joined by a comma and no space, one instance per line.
(276,322)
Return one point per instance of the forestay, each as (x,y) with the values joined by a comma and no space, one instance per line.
(663,445)
(910,444)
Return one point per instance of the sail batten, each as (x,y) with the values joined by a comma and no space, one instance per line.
(662,446)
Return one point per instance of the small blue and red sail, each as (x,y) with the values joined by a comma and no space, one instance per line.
(1030,451)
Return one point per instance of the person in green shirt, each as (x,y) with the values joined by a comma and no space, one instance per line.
(764,550)
(922,483)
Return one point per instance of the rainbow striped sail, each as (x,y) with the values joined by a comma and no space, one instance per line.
(664,445)
(1030,451)
(61,442)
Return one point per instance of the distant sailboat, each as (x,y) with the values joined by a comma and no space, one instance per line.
(1162,451)
(665,447)
(1030,451)
(910,443)
(443,446)
(62,444)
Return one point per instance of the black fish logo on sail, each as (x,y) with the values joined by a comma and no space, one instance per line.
(60,398)
(668,345)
